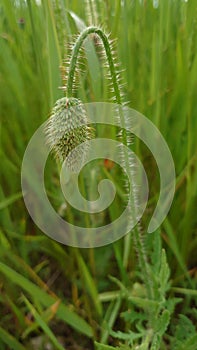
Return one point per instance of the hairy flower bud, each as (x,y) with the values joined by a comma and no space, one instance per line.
(66,129)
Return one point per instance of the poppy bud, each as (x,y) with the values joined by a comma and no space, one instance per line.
(66,129)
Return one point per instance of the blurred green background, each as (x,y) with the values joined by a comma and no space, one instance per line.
(156,45)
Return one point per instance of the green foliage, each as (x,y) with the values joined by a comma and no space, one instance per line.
(10,340)
(185,336)
(42,297)
(49,290)
(103,347)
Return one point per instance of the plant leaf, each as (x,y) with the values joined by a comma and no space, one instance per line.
(10,340)
(64,313)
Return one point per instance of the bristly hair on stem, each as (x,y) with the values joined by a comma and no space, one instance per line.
(74,58)
(114,75)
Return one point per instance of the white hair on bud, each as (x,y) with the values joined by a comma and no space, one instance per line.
(66,129)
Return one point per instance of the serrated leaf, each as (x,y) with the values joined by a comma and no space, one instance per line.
(163,322)
(100,346)
(190,343)
(145,304)
(133,316)
(164,274)
(184,331)
(128,337)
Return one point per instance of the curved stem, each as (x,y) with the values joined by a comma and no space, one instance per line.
(72,67)
(75,53)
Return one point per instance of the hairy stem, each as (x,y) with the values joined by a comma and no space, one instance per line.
(75,54)
(124,138)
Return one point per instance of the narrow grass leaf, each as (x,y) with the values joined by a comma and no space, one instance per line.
(89,285)
(64,313)
(11,341)
(11,199)
(43,325)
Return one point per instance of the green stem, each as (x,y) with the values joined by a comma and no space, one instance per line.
(75,54)
(72,67)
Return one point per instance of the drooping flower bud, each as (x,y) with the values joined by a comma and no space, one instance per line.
(66,129)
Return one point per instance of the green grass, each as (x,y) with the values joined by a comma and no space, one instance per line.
(96,298)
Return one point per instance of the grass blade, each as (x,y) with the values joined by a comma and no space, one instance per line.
(64,313)
(10,340)
(43,325)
